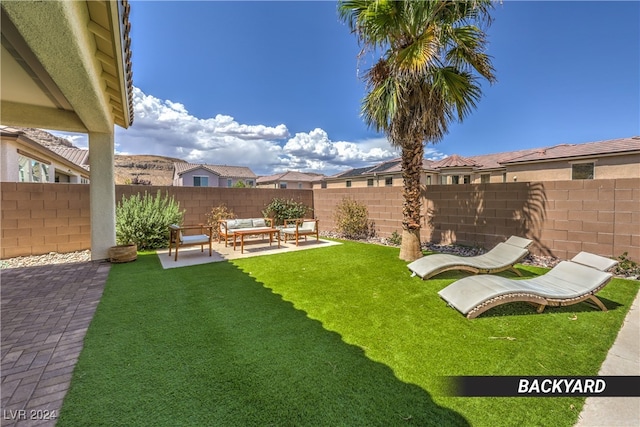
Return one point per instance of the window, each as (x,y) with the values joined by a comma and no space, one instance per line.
(229,182)
(369,182)
(249,183)
(504,177)
(30,170)
(24,172)
(582,171)
(443,179)
(299,186)
(348,184)
(428,179)
(485,178)
(467,179)
(200,181)
(283,185)
(323,184)
(388,181)
(455,179)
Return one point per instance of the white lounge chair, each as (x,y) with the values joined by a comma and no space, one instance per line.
(569,282)
(502,257)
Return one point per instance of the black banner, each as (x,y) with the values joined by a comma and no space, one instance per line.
(551,386)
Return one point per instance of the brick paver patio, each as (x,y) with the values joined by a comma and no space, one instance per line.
(45,313)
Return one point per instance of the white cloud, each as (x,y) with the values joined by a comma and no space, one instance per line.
(166,128)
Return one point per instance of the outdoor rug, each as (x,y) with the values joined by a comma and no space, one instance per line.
(193,255)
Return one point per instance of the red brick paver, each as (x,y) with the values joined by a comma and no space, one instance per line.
(45,313)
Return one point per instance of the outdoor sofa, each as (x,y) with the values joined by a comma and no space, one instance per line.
(226,227)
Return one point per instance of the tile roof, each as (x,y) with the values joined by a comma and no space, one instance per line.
(221,170)
(78,156)
(499,160)
(455,161)
(289,176)
(563,151)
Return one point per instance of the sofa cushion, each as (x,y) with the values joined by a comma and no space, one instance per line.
(259,222)
(231,224)
(244,223)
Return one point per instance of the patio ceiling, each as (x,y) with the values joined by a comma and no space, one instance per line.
(66,65)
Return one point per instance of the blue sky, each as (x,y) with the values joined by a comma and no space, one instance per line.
(274,85)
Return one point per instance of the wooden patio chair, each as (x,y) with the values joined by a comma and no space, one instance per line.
(177,239)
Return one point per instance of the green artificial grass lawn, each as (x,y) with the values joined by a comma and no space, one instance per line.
(335,336)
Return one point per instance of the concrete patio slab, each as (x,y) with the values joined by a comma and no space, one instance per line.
(194,255)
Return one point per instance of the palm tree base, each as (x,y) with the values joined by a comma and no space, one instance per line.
(410,247)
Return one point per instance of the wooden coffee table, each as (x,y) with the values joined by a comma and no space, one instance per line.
(270,231)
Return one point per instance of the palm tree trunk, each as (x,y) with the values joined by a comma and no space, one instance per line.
(412,155)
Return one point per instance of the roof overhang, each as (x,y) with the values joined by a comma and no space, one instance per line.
(66,65)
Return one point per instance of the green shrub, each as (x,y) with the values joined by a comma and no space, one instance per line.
(352,219)
(626,266)
(395,238)
(218,213)
(282,209)
(145,220)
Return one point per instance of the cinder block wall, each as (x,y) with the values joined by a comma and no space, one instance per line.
(562,217)
(198,201)
(42,218)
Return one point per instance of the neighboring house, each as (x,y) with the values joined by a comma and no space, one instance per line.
(201,175)
(610,159)
(290,180)
(25,160)
(385,174)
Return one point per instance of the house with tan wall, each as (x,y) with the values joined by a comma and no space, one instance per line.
(26,160)
(610,159)
(202,175)
(385,174)
(289,179)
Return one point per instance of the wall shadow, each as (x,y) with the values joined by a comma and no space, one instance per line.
(214,346)
(485,214)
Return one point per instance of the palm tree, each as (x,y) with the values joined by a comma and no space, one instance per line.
(426,77)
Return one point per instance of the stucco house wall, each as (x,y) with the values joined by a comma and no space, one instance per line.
(186,179)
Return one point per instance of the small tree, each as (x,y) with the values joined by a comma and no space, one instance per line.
(218,213)
(352,219)
(282,209)
(145,220)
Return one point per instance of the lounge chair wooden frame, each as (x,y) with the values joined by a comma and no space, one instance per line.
(299,230)
(177,239)
(502,257)
(581,264)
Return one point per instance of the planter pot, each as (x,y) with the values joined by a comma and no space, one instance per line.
(123,253)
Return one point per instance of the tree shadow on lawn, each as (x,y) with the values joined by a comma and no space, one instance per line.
(213,346)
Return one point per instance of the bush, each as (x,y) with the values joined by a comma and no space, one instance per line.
(218,213)
(395,238)
(352,220)
(145,220)
(281,209)
(626,267)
